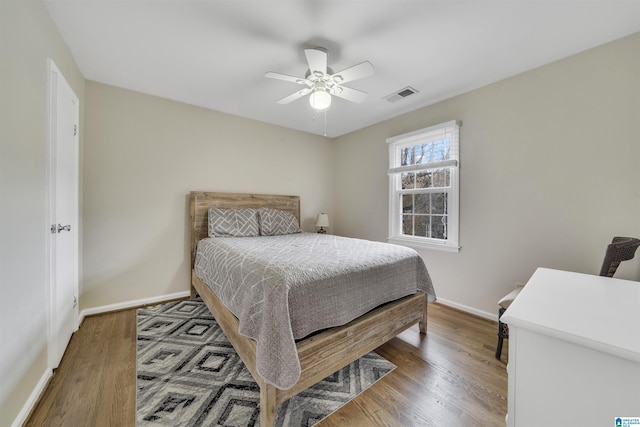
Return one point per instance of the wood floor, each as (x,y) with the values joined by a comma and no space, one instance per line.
(447,377)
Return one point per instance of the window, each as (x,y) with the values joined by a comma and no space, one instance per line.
(423,187)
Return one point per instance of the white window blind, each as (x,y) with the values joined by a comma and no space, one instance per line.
(428,148)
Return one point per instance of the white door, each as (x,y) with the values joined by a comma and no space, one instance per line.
(64,117)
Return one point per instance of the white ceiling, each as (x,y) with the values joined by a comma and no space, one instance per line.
(214,53)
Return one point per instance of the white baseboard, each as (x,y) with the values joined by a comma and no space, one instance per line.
(466,308)
(33,399)
(184,294)
(130,304)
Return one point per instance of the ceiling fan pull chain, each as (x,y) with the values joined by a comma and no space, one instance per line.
(325,122)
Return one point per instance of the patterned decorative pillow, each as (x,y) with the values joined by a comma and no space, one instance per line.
(233,222)
(274,222)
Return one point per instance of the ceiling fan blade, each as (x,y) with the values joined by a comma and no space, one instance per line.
(287,78)
(349,94)
(294,96)
(317,60)
(359,71)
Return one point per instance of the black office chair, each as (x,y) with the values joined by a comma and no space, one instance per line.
(620,249)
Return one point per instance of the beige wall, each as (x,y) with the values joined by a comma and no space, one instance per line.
(144,154)
(549,173)
(27,38)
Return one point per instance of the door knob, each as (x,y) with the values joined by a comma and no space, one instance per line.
(64,227)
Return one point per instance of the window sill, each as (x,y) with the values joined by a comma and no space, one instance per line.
(421,244)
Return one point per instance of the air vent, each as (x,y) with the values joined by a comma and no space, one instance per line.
(402,93)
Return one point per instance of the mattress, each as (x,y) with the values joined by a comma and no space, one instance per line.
(283,288)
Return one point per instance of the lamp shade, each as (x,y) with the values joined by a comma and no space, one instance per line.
(322,220)
(320,99)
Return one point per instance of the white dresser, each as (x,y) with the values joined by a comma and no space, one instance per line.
(574,351)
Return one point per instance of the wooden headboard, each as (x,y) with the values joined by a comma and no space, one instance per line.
(200,202)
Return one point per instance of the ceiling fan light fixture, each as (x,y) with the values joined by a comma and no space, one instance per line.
(320,100)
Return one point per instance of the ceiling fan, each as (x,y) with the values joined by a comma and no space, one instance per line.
(321,82)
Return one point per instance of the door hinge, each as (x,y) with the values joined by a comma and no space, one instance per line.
(64,227)
(75,130)
(54,229)
(75,301)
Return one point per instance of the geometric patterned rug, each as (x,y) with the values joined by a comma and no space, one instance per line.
(188,374)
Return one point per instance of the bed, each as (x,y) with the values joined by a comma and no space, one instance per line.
(306,353)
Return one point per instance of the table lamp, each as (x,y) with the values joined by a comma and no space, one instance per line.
(322,221)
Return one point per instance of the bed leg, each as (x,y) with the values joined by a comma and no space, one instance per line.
(423,322)
(267,404)
(194,292)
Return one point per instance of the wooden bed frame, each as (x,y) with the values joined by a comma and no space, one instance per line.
(321,354)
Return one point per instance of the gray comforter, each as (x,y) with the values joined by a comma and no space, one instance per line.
(283,288)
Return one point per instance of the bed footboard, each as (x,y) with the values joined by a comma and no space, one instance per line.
(322,354)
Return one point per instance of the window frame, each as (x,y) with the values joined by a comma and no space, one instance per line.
(420,136)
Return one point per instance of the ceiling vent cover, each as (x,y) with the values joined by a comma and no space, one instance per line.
(401,94)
